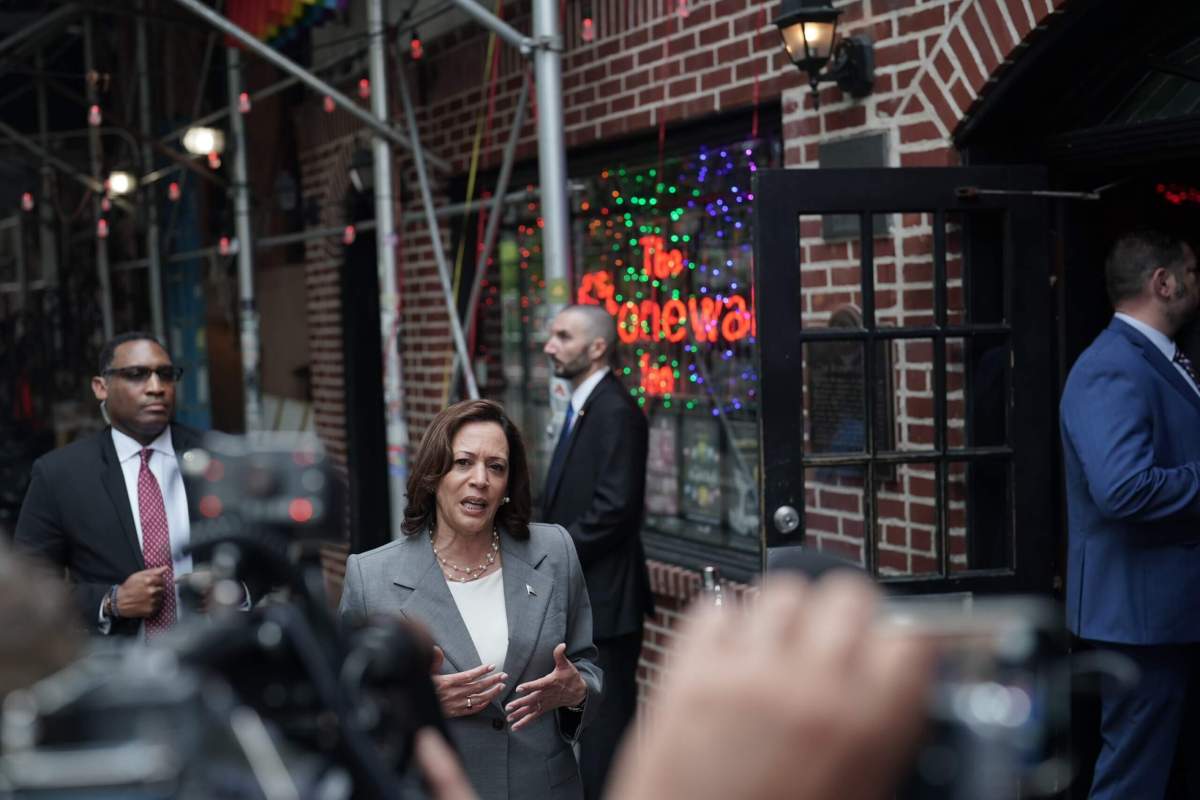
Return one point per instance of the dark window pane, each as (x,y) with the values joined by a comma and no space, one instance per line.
(975,268)
(979,515)
(978,388)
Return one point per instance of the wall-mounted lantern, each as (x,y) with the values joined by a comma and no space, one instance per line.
(809,31)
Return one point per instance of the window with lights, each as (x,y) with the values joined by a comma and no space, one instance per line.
(665,245)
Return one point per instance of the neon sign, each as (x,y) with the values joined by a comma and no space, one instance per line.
(668,250)
(707,320)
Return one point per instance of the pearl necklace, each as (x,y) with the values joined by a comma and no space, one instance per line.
(471,573)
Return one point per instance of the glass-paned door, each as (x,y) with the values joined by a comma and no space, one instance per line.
(907,384)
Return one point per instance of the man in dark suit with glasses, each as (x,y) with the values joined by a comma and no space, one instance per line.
(111,509)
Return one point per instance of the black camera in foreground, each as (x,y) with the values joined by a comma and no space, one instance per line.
(999,714)
(271,701)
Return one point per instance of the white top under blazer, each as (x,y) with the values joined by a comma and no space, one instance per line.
(481,605)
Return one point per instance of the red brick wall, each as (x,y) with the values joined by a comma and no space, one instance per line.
(648,66)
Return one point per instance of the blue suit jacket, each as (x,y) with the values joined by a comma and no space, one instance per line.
(1131,446)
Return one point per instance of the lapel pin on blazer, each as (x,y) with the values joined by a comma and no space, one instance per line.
(529,589)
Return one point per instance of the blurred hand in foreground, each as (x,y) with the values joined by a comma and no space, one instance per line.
(800,695)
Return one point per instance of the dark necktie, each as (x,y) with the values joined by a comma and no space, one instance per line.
(156,544)
(560,451)
(1185,362)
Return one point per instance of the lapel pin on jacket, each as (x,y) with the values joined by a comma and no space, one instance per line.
(529,589)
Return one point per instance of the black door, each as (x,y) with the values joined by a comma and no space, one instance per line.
(907,374)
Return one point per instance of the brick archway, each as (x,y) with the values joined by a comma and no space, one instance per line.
(983,38)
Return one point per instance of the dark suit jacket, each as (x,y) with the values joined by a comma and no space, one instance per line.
(598,497)
(1131,448)
(77,515)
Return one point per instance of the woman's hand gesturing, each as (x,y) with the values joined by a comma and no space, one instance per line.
(462,694)
(562,687)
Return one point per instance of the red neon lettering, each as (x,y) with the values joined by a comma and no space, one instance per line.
(657,261)
(736,324)
(597,288)
(674,321)
(753,317)
(651,312)
(707,319)
(656,380)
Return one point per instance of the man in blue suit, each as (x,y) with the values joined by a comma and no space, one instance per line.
(1130,418)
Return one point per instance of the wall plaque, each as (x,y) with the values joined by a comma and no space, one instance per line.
(835,387)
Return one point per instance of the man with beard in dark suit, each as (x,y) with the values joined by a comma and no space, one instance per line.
(595,487)
(111,509)
(1130,420)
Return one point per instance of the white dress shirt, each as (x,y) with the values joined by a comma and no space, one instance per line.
(580,396)
(1163,342)
(165,469)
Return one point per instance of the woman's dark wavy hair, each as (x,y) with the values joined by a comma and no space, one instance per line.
(436,455)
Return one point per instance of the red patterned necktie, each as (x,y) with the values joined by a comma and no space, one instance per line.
(156,544)
(1185,362)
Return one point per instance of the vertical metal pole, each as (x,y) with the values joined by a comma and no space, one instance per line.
(385,242)
(435,238)
(248,317)
(46,236)
(93,98)
(149,194)
(552,157)
(552,171)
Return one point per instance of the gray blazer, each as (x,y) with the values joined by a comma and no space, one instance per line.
(546,603)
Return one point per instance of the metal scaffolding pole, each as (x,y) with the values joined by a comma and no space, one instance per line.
(389,300)
(44,24)
(67,169)
(497,210)
(291,67)
(118,125)
(148,198)
(502,28)
(105,280)
(46,237)
(449,209)
(261,94)
(261,243)
(287,83)
(248,316)
(552,157)
(435,240)
(267,242)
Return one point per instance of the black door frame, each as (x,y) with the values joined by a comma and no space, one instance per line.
(781,197)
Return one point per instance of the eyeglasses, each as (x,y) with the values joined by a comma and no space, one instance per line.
(168,374)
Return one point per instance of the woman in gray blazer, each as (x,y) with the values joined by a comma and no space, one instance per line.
(504,600)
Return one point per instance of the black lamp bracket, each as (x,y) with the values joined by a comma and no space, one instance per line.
(852,66)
